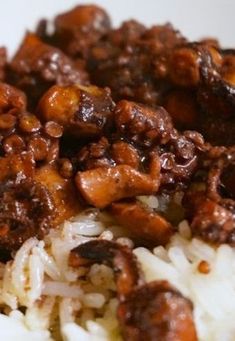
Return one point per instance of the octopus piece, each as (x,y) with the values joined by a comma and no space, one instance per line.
(211,208)
(33,200)
(124,153)
(184,66)
(65,168)
(81,111)
(26,210)
(12,100)
(37,66)
(216,98)
(162,37)
(17,167)
(104,153)
(152,311)
(142,124)
(213,222)
(130,60)
(145,226)
(61,190)
(128,32)
(220,177)
(119,257)
(157,311)
(228,66)
(203,68)
(183,108)
(79,29)
(215,95)
(142,132)
(179,158)
(148,127)
(189,63)
(104,185)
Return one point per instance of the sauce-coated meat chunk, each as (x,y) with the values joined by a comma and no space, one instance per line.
(183,108)
(12,100)
(131,61)
(142,124)
(104,185)
(17,167)
(37,66)
(76,31)
(104,153)
(33,200)
(148,127)
(81,111)
(210,206)
(119,257)
(145,226)
(62,191)
(157,311)
(26,210)
(151,311)
(214,223)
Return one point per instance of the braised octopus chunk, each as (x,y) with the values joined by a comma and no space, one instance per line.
(142,124)
(125,153)
(26,210)
(228,66)
(214,223)
(104,153)
(81,111)
(214,91)
(104,185)
(184,67)
(152,311)
(114,170)
(77,30)
(183,108)
(179,160)
(12,100)
(129,31)
(17,167)
(148,127)
(131,61)
(210,206)
(37,66)
(156,66)
(62,191)
(145,226)
(157,311)
(119,257)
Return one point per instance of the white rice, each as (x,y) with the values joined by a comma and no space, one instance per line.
(212,294)
(60,305)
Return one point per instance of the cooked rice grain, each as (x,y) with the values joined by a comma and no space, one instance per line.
(58,299)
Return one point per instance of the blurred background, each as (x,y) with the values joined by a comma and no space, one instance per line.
(195,19)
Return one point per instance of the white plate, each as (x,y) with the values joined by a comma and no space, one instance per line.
(194,18)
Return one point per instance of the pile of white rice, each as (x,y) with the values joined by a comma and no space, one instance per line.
(43,299)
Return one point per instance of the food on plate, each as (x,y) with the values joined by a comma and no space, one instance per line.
(117,195)
(144,309)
